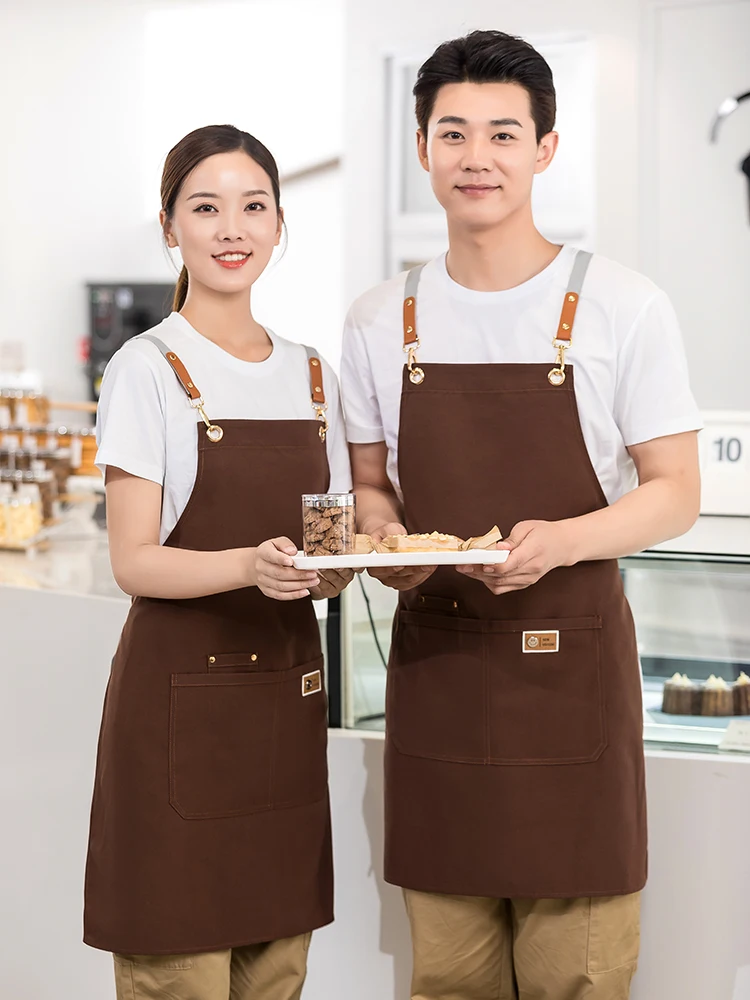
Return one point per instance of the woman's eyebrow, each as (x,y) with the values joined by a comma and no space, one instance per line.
(210,194)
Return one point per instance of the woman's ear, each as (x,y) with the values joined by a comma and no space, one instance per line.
(166,228)
(279,226)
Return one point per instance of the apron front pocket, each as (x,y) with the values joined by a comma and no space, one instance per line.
(545,692)
(231,736)
(436,688)
(496,692)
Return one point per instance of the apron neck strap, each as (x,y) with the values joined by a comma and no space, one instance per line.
(573,294)
(317,391)
(214,433)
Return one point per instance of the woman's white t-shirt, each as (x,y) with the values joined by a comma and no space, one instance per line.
(631,375)
(147,427)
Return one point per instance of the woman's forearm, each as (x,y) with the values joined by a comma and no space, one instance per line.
(150,570)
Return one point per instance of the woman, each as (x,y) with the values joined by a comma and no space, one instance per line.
(209,858)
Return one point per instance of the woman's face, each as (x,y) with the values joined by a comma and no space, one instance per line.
(225,223)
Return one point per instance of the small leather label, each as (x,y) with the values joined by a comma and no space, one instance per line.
(541,642)
(311,683)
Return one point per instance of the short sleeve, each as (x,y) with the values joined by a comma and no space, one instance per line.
(130,422)
(338,451)
(653,397)
(364,424)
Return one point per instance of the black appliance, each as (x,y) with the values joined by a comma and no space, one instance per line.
(118,312)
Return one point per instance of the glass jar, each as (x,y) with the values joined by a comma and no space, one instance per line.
(328,523)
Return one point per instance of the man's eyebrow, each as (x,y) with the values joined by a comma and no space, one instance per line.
(496,123)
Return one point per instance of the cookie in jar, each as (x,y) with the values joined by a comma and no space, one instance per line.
(328,524)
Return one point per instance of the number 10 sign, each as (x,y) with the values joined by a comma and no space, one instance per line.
(725,463)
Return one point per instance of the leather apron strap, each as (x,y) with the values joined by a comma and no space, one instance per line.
(213,431)
(561,341)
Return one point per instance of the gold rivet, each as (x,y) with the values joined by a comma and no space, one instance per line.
(314,361)
(317,388)
(410,329)
(571,298)
(566,326)
(190,385)
(171,357)
(410,302)
(212,659)
(254,657)
(455,604)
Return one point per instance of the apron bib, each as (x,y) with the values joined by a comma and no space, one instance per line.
(514,749)
(210,823)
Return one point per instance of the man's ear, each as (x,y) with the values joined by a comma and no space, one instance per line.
(166,228)
(546,151)
(422,150)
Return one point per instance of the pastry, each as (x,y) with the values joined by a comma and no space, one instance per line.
(680,696)
(363,545)
(741,694)
(434,542)
(717,697)
(487,541)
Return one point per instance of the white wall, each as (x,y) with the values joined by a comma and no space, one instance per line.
(634,59)
(86,115)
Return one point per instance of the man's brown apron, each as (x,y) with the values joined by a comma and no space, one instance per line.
(210,823)
(514,753)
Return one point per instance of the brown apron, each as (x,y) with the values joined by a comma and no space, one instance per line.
(210,823)
(514,753)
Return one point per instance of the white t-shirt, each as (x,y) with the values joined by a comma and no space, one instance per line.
(630,370)
(146,425)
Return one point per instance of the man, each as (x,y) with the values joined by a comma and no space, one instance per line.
(547,392)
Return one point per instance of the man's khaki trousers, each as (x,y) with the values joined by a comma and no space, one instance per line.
(273,971)
(472,948)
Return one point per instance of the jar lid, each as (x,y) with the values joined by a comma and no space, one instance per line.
(328,500)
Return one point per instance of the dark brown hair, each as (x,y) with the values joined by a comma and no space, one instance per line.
(488,57)
(193,149)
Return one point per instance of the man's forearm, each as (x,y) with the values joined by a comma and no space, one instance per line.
(652,513)
(376,507)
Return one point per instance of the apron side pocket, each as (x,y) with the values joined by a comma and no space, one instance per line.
(300,768)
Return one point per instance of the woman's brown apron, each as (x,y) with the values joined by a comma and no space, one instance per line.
(514,753)
(210,823)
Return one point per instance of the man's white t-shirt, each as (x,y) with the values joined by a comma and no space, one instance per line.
(631,375)
(147,427)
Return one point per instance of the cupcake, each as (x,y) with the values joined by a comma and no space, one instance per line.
(717,697)
(679,696)
(741,694)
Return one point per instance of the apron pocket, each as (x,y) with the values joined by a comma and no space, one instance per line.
(436,688)
(231,734)
(464,690)
(545,693)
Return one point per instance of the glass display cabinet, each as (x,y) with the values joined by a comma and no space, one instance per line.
(691,605)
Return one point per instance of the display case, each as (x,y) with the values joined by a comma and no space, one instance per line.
(691,605)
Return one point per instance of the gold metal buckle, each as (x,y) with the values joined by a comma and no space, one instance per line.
(416,374)
(214,433)
(556,375)
(320,414)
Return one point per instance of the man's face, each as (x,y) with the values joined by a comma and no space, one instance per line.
(482,153)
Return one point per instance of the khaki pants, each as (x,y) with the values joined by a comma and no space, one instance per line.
(273,971)
(471,948)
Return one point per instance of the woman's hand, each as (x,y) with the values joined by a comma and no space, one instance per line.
(398,577)
(536,547)
(276,575)
(332,582)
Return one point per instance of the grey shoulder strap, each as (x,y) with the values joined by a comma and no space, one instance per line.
(578,272)
(155,340)
(412,281)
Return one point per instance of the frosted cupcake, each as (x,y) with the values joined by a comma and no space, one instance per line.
(717,697)
(741,693)
(680,696)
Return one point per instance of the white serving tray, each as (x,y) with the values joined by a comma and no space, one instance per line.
(482,557)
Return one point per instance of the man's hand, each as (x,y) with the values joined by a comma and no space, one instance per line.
(395,577)
(275,572)
(536,547)
(332,582)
